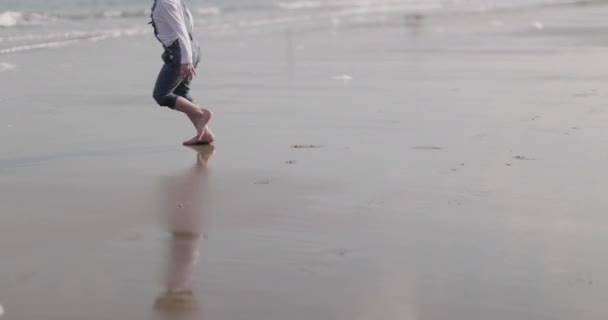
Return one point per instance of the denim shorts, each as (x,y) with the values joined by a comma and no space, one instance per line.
(169,83)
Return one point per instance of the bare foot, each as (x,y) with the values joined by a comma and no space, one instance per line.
(206,138)
(203,133)
(200,121)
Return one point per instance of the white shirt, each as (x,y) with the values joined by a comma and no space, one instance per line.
(171,25)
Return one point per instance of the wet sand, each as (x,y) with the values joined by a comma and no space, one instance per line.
(448,171)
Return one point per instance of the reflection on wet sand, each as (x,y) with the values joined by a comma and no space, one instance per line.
(184,221)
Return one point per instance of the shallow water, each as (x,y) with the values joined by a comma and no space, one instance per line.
(33,24)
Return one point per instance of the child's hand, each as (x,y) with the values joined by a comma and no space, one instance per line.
(187,71)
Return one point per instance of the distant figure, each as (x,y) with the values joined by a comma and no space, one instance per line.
(173,26)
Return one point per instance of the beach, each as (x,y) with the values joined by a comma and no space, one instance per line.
(395,167)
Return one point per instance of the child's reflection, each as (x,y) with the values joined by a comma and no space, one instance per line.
(184,221)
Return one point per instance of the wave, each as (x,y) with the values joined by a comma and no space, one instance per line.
(300,5)
(49,36)
(10,19)
(54,44)
(387,7)
(251,16)
(14,19)
(113,14)
(5,66)
(64,39)
(450,5)
(208,10)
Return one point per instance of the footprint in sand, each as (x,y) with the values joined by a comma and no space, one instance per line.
(581,280)
(263,182)
(480,135)
(523,158)
(585,94)
(340,252)
(290,162)
(427,148)
(306,146)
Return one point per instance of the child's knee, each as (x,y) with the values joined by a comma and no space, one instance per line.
(165,100)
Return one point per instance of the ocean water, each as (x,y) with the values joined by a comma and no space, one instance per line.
(39,24)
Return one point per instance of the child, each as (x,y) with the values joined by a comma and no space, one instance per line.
(173,26)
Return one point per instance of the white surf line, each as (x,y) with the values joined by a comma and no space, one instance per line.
(55,44)
(112,34)
(52,36)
